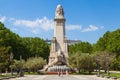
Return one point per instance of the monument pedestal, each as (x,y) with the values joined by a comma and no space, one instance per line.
(59,68)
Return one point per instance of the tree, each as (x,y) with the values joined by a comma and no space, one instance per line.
(102,43)
(12,40)
(82,61)
(115,64)
(35,63)
(25,47)
(4,58)
(109,42)
(18,64)
(114,43)
(83,47)
(86,62)
(36,47)
(105,59)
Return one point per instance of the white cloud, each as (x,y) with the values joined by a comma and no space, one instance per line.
(47,24)
(14,29)
(44,23)
(26,23)
(2,19)
(35,31)
(90,28)
(73,27)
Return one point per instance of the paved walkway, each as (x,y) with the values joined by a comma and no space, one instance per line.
(56,77)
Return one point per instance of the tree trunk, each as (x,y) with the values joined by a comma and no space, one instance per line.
(105,70)
(28,71)
(78,70)
(89,71)
(0,71)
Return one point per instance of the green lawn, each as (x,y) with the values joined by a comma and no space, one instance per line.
(112,74)
(6,75)
(101,73)
(31,73)
(115,75)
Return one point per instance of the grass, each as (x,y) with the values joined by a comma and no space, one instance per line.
(115,75)
(6,75)
(31,73)
(84,73)
(111,74)
(101,73)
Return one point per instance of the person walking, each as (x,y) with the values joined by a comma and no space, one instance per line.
(66,73)
(58,73)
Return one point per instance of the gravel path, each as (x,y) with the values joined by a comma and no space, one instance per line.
(56,77)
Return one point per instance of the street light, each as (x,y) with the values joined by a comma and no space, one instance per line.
(21,70)
(108,65)
(11,58)
(98,63)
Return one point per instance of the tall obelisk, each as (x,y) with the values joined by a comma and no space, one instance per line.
(59,48)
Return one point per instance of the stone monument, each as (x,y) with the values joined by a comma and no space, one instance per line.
(58,58)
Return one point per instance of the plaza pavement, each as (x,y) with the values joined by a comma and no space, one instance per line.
(56,77)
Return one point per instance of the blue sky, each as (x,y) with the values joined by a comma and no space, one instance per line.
(86,20)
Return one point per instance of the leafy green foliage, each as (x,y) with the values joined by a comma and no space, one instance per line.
(110,42)
(12,40)
(83,47)
(35,63)
(17,64)
(26,47)
(36,47)
(4,57)
(82,61)
(30,47)
(104,59)
(116,64)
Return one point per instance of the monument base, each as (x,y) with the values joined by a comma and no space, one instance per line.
(57,72)
(59,68)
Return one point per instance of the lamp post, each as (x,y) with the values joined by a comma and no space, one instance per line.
(20,65)
(21,70)
(108,65)
(11,58)
(98,63)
